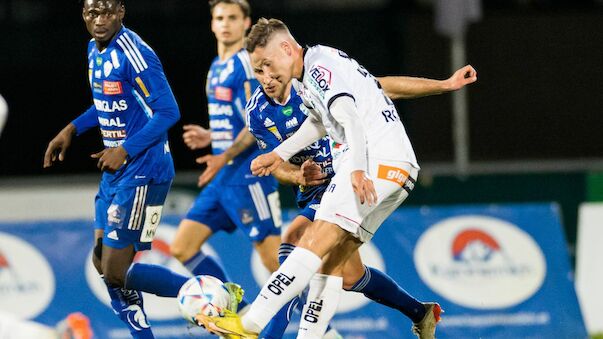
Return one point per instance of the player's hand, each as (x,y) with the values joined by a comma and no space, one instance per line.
(110,159)
(311,174)
(364,188)
(57,147)
(462,77)
(265,164)
(214,164)
(196,137)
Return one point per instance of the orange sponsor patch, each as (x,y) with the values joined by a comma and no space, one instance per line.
(112,88)
(393,174)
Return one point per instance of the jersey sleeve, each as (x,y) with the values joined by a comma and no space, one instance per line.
(86,120)
(145,73)
(265,139)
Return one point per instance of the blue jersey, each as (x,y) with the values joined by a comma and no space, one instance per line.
(229,84)
(133,106)
(271,123)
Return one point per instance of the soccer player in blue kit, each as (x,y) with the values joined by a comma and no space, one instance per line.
(133,107)
(275,112)
(233,197)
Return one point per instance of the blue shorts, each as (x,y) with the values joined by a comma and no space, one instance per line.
(254,208)
(130,215)
(310,209)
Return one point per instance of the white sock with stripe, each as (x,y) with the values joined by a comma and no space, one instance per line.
(321,305)
(284,284)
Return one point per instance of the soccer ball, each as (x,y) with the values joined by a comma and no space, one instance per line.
(203,294)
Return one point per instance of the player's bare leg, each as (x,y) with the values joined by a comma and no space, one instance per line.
(268,251)
(190,236)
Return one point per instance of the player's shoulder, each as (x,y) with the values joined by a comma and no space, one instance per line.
(257,100)
(131,46)
(243,60)
(323,53)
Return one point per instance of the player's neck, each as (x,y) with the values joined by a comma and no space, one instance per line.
(298,65)
(226,51)
(281,100)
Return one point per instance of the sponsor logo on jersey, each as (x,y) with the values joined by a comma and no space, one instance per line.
(113,122)
(97,74)
(219,109)
(390,115)
(304,109)
(110,106)
(113,134)
(264,105)
(97,87)
(262,144)
(113,143)
(221,135)
(287,110)
(276,133)
(225,72)
(393,174)
(220,123)
(112,87)
(107,68)
(299,159)
(291,123)
(321,78)
(268,122)
(99,61)
(223,93)
(465,258)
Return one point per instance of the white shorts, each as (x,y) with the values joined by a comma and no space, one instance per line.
(393,181)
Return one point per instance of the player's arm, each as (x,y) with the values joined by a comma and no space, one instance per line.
(310,131)
(152,84)
(404,87)
(309,174)
(58,146)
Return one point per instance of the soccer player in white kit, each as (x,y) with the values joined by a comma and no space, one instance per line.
(372,178)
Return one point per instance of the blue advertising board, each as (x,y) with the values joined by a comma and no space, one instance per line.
(499,271)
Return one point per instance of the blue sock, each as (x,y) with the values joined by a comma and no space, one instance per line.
(154,279)
(379,287)
(128,305)
(201,264)
(277,326)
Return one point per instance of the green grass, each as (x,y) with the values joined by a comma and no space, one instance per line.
(597,336)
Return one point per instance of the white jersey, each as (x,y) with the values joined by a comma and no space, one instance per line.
(329,74)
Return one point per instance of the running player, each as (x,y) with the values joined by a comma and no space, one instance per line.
(133,108)
(275,112)
(373,178)
(234,198)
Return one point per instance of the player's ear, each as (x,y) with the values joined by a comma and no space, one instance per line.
(247,23)
(121,12)
(286,46)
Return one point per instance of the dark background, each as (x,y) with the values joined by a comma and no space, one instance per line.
(539,93)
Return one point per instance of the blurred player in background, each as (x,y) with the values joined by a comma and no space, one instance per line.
(233,197)
(133,107)
(275,112)
(373,177)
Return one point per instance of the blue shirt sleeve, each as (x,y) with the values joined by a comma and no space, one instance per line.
(86,120)
(152,84)
(265,139)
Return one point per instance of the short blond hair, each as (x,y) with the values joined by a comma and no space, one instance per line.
(262,31)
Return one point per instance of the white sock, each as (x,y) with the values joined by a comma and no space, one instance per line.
(284,284)
(323,298)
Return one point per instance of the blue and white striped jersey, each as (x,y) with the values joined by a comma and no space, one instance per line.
(229,84)
(133,106)
(272,123)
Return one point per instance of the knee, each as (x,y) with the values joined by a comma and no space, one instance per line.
(180,252)
(115,278)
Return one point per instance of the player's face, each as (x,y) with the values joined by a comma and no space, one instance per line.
(103,18)
(229,23)
(273,67)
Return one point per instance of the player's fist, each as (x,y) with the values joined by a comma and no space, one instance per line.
(311,174)
(462,77)
(111,159)
(196,137)
(265,164)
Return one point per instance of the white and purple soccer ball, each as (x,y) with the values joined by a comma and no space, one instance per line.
(205,295)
